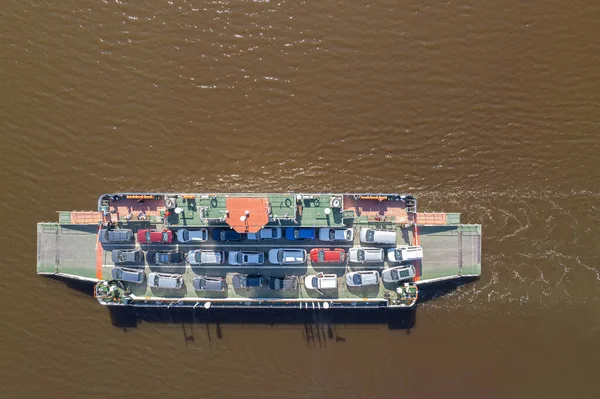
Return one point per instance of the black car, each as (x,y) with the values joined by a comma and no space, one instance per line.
(248,281)
(168,257)
(207,283)
(283,283)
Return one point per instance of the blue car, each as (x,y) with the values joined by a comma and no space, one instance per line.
(300,233)
(226,235)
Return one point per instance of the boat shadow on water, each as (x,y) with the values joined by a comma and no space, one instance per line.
(318,325)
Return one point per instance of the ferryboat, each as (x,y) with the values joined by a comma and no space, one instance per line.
(256,250)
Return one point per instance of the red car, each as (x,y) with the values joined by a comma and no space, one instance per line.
(326,255)
(154,236)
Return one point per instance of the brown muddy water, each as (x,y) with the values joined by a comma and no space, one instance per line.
(491,109)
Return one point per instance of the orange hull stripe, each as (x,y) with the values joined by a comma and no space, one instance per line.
(98,261)
(417,275)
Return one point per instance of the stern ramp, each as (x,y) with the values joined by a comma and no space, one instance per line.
(449,252)
(67,250)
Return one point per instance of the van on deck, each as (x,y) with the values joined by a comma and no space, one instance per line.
(376,236)
(320,281)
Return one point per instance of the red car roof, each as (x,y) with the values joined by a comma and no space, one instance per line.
(331,255)
(155,236)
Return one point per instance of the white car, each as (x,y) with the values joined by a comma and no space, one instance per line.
(405,253)
(398,273)
(366,255)
(205,257)
(362,278)
(329,234)
(266,233)
(320,281)
(184,235)
(289,256)
(243,258)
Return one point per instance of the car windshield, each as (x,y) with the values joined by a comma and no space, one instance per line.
(280,255)
(198,257)
(370,235)
(296,233)
(331,234)
(241,258)
(186,235)
(315,282)
(147,235)
(356,279)
(360,255)
(348,234)
(119,274)
(156,280)
(394,274)
(398,254)
(165,236)
(321,256)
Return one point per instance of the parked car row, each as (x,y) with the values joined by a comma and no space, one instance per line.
(361,278)
(165,236)
(203,283)
(276,256)
(136,255)
(168,280)
(147,236)
(318,282)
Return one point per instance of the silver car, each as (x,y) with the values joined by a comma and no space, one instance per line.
(365,255)
(205,257)
(244,258)
(207,283)
(329,234)
(266,233)
(120,256)
(362,278)
(116,235)
(163,280)
(398,273)
(129,275)
(289,256)
(185,235)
